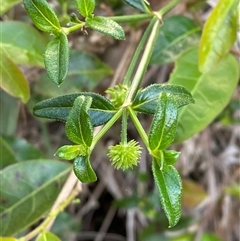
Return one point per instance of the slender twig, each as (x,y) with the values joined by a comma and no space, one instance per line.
(52,215)
(65,192)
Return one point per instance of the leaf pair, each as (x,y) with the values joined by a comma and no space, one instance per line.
(100,24)
(161,135)
(79,130)
(56,56)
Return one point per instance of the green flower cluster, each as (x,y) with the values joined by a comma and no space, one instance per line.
(124,156)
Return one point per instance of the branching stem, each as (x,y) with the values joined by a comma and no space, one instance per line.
(107,126)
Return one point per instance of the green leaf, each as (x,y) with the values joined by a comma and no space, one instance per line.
(177,34)
(29,189)
(86,7)
(164,123)
(8,119)
(167,157)
(7,156)
(23,150)
(56,59)
(84,74)
(219,34)
(7,5)
(170,189)
(146,100)
(170,156)
(142,5)
(83,169)
(12,80)
(26,47)
(211,91)
(106,26)
(47,236)
(58,108)
(79,127)
(42,15)
(69,152)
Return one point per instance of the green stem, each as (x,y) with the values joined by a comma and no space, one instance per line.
(131,18)
(144,16)
(137,54)
(124,127)
(139,127)
(73,28)
(168,7)
(142,67)
(135,58)
(105,128)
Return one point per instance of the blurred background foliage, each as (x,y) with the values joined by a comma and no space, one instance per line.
(121,205)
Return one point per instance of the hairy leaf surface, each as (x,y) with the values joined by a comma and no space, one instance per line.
(164,123)
(86,7)
(84,74)
(83,169)
(106,26)
(42,15)
(56,59)
(79,127)
(69,152)
(58,108)
(146,100)
(170,189)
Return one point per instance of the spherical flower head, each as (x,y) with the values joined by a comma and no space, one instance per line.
(117,94)
(124,156)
